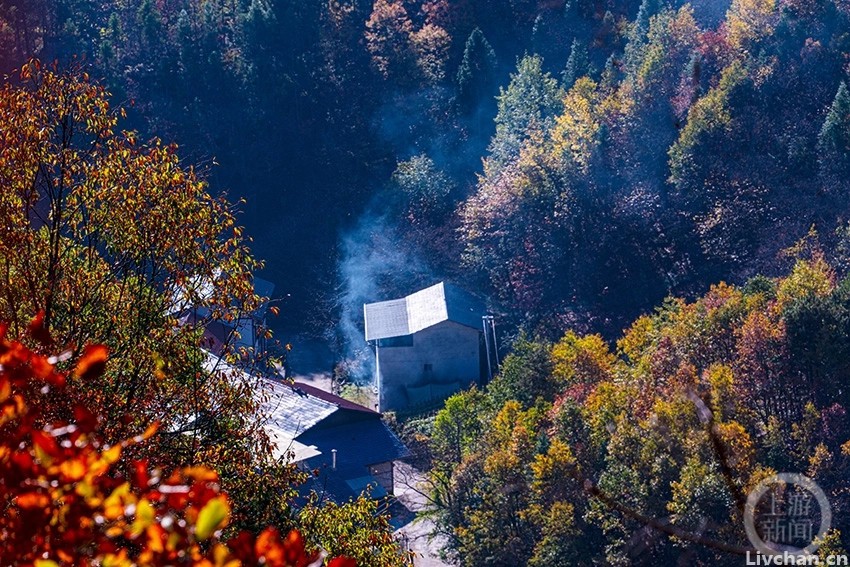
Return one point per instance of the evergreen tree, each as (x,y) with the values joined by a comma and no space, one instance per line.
(476,74)
(637,34)
(261,44)
(611,73)
(834,139)
(111,42)
(578,65)
(640,27)
(150,24)
(533,98)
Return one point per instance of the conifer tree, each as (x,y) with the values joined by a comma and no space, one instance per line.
(476,74)
(533,99)
(578,65)
(834,139)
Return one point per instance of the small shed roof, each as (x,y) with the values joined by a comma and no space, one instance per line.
(420,310)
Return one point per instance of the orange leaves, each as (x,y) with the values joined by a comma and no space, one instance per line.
(32,500)
(66,504)
(93,362)
(287,553)
(73,470)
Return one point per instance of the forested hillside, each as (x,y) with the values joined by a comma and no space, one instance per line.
(635,149)
(577,163)
(583,454)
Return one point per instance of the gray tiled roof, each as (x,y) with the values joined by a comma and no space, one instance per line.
(288,411)
(420,310)
(292,411)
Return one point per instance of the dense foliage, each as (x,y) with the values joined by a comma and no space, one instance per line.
(576,454)
(575,161)
(65,502)
(636,149)
(109,239)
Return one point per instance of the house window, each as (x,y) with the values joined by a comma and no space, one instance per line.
(429,368)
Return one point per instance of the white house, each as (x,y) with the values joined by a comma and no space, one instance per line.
(427,346)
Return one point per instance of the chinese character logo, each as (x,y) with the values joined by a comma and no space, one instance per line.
(787,512)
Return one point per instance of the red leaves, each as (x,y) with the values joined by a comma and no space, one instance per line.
(65,503)
(38,331)
(93,362)
(287,553)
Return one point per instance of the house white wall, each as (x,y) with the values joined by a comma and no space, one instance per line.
(443,358)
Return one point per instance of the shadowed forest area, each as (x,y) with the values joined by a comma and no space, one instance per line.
(576,162)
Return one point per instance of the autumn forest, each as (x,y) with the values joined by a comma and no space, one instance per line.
(651,197)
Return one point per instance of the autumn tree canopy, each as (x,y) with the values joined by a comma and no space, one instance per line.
(66,502)
(580,451)
(111,240)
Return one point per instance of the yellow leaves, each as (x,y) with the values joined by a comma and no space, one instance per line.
(202,474)
(820,461)
(721,380)
(638,338)
(575,134)
(809,278)
(556,463)
(73,470)
(221,557)
(115,504)
(45,563)
(739,446)
(582,359)
(145,517)
(111,455)
(751,20)
(709,113)
(117,560)
(213,516)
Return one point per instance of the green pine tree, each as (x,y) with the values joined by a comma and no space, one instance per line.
(578,64)
(834,140)
(533,98)
(834,137)
(477,72)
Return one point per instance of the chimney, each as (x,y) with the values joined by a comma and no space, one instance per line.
(333,459)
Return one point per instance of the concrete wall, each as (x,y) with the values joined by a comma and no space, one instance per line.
(443,358)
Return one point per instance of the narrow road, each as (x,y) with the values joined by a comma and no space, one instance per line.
(417,532)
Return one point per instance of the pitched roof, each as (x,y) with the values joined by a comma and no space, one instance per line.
(332,398)
(292,411)
(294,423)
(289,410)
(358,444)
(420,310)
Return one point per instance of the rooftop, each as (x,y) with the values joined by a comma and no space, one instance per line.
(291,411)
(420,310)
